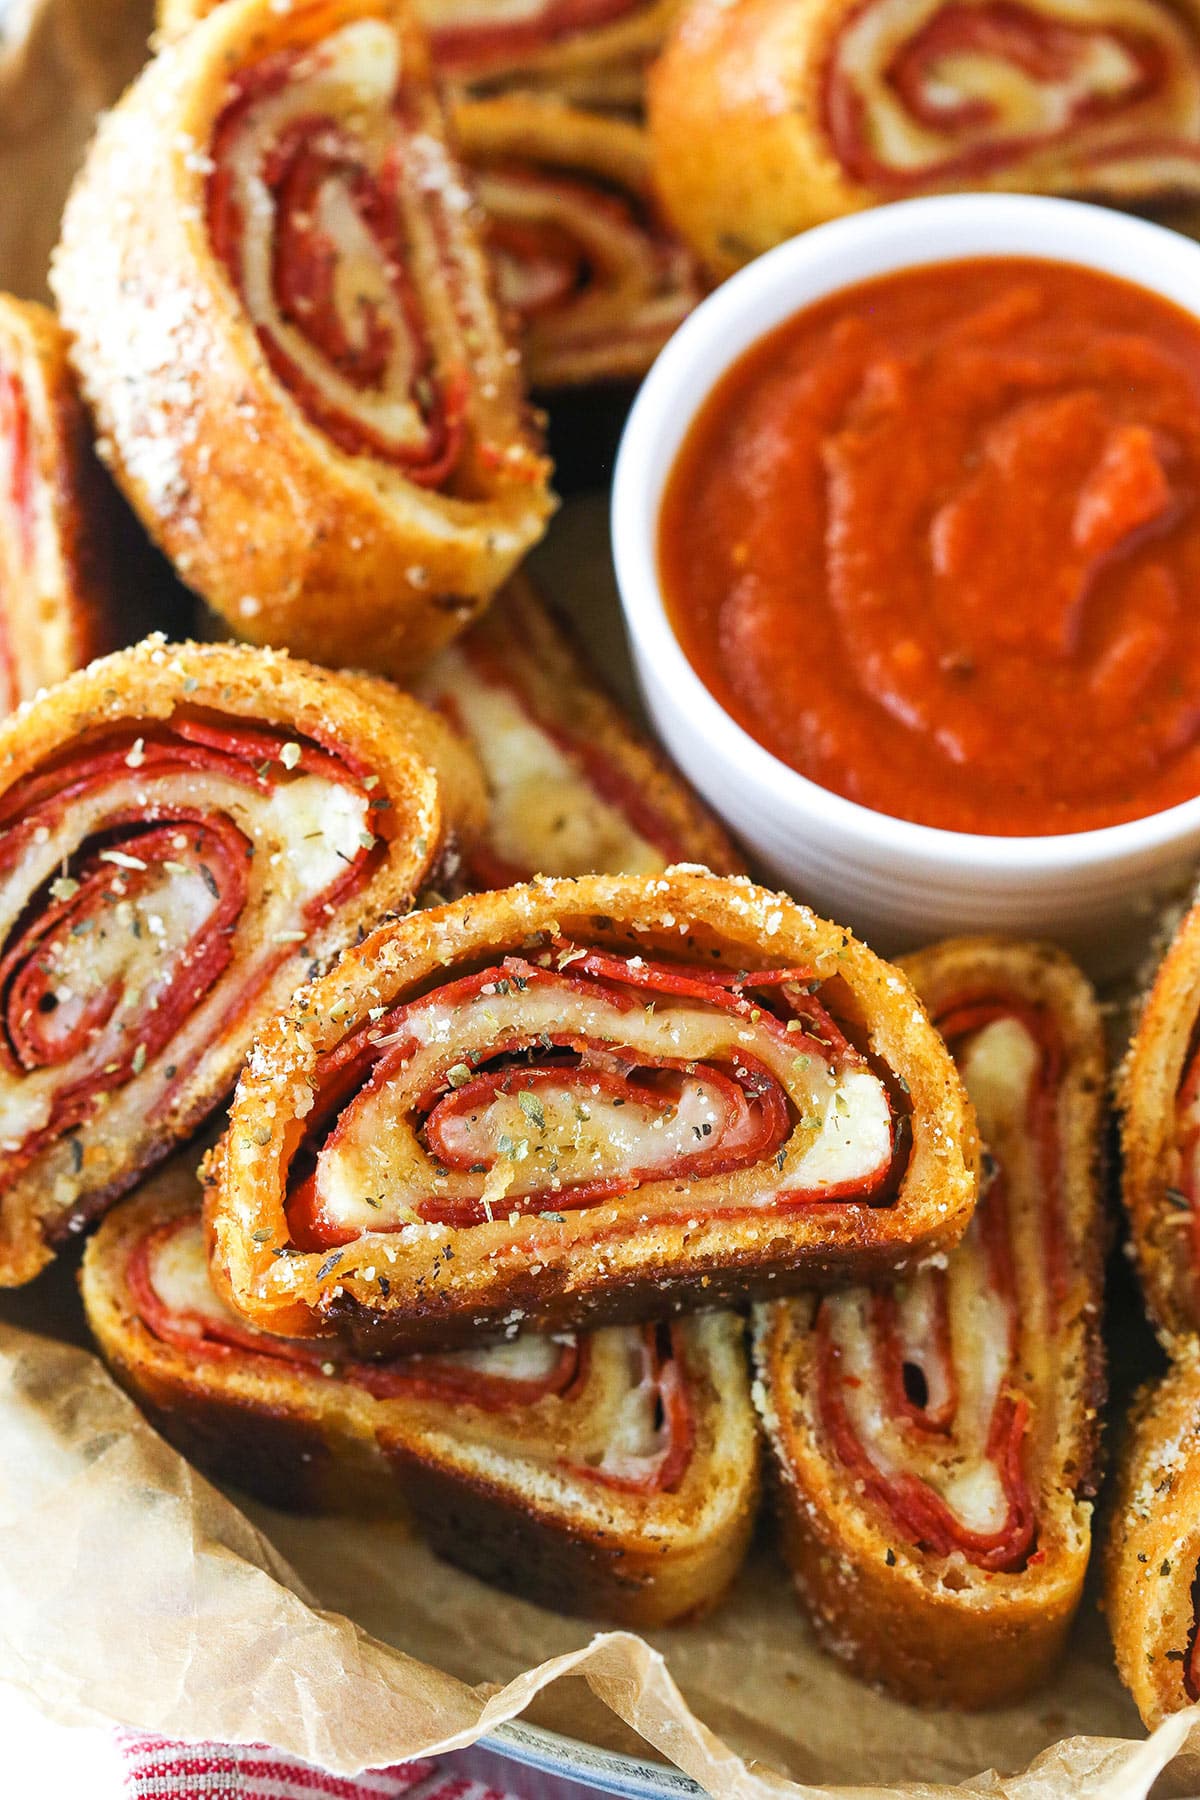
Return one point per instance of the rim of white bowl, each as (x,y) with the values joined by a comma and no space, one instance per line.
(750,305)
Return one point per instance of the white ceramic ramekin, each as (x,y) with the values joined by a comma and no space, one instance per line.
(894,882)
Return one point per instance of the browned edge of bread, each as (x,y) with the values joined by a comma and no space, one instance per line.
(1152,1541)
(309,1442)
(608,1261)
(938,1630)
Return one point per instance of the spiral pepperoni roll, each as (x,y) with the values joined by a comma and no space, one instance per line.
(594,277)
(186,834)
(58,606)
(936,1440)
(585,1100)
(771,115)
(284,321)
(613,1472)
(573,787)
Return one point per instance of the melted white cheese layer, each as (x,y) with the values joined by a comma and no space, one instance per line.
(1019,103)
(375,1170)
(999,1068)
(546,817)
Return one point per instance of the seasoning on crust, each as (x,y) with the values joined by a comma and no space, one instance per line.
(186,834)
(594,278)
(1159,1099)
(573,788)
(612,1473)
(936,1443)
(1152,1549)
(58,605)
(344,466)
(585,1101)
(769,116)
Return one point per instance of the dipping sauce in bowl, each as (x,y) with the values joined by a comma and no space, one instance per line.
(935,543)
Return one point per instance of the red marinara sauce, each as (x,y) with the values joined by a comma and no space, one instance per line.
(935,542)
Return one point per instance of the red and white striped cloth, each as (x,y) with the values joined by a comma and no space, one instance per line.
(160,1769)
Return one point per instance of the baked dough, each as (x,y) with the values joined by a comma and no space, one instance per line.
(58,605)
(582,1101)
(284,322)
(936,1444)
(594,278)
(612,1473)
(1159,1097)
(769,116)
(573,787)
(186,834)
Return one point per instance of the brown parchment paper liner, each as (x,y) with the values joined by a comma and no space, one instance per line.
(132,1592)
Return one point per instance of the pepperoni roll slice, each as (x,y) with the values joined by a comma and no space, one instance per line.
(57,604)
(769,116)
(1152,1552)
(594,278)
(574,789)
(588,1100)
(285,324)
(935,1440)
(1159,1097)
(593,51)
(186,834)
(612,1473)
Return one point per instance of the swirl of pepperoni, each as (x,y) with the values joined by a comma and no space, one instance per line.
(537,1087)
(125,872)
(636,1375)
(323,211)
(956,90)
(920,1395)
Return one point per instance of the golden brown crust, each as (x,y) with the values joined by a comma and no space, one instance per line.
(938,1630)
(1152,1546)
(1160,1218)
(57,573)
(733,108)
(585,176)
(306,1441)
(762,115)
(613,1259)
(432,792)
(295,541)
(603,67)
(643,815)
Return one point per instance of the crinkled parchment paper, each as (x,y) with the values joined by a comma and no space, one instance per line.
(133,1592)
